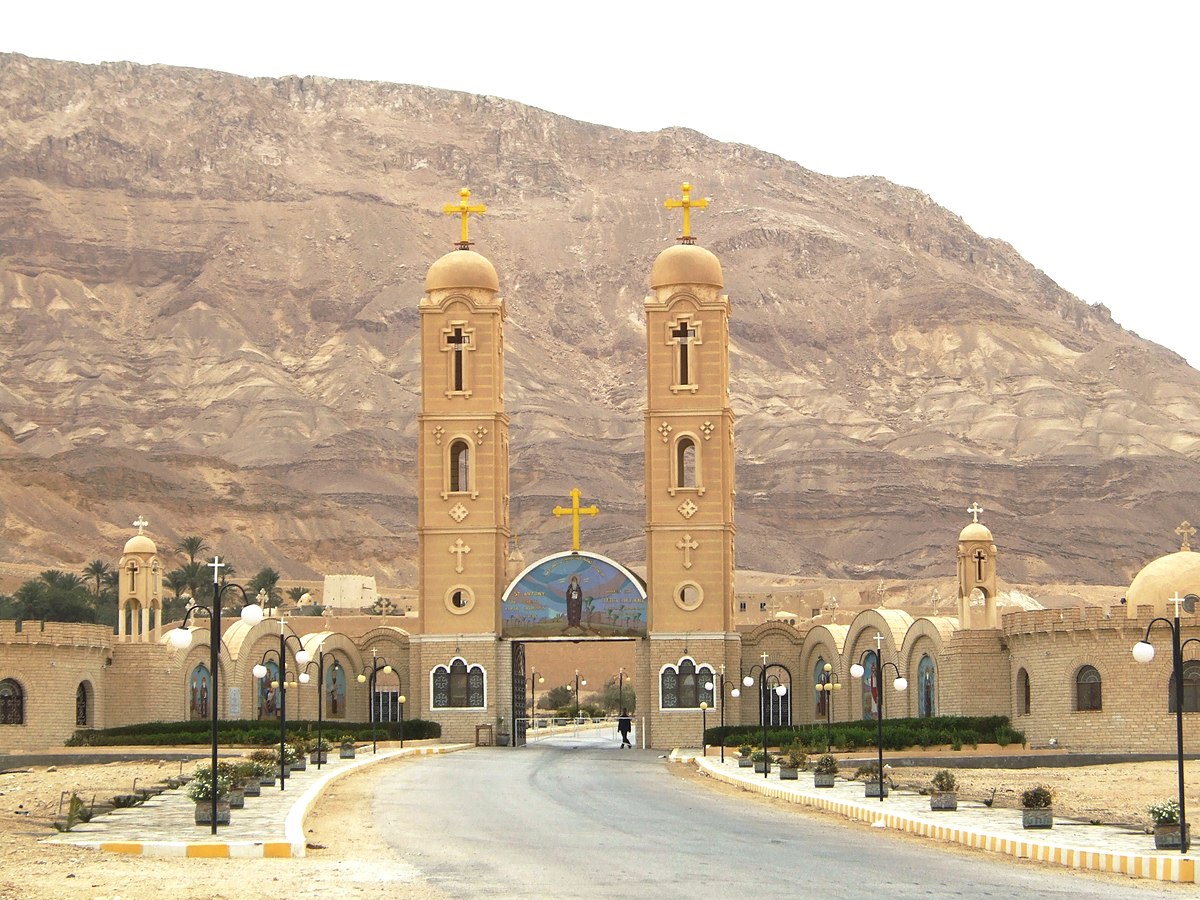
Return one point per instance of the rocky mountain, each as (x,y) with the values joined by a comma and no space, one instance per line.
(208,300)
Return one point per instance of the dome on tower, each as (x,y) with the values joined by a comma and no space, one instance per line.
(462,269)
(1161,579)
(140,543)
(975,531)
(686,264)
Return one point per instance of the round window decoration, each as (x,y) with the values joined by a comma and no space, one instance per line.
(689,596)
(459,600)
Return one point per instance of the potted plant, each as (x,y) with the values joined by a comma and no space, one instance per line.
(744,760)
(760,758)
(347,746)
(945,790)
(869,775)
(267,762)
(289,759)
(247,774)
(1037,807)
(200,790)
(793,760)
(1167,833)
(320,752)
(825,772)
(297,755)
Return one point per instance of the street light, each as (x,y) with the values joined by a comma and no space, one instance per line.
(260,671)
(900,684)
(766,683)
(320,661)
(704,724)
(181,639)
(621,688)
(362,677)
(827,683)
(535,678)
(578,682)
(1143,652)
(735,693)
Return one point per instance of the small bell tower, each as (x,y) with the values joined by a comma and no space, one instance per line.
(977,580)
(139,591)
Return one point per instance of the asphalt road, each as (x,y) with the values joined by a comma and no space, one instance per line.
(581,818)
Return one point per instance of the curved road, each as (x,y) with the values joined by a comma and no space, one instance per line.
(581,818)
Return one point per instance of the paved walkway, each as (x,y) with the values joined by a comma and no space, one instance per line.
(1070,843)
(269,825)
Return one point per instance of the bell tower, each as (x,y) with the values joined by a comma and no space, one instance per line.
(462,488)
(977,581)
(139,591)
(689,471)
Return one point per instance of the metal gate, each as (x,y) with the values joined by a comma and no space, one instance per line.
(520,721)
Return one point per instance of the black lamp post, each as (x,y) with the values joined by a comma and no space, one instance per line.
(735,693)
(535,678)
(827,683)
(621,688)
(766,683)
(261,671)
(1143,652)
(704,726)
(377,663)
(320,701)
(578,682)
(900,684)
(181,639)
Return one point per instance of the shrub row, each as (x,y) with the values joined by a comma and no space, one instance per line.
(252,732)
(898,734)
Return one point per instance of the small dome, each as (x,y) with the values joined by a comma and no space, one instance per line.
(462,269)
(975,531)
(686,264)
(139,543)
(1159,581)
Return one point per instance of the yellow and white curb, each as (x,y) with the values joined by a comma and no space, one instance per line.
(1177,868)
(292,847)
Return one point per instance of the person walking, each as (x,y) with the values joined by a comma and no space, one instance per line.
(624,725)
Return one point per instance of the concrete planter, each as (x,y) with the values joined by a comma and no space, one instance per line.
(1169,837)
(204,812)
(788,774)
(1042,817)
(319,757)
(760,768)
(346,753)
(744,762)
(300,764)
(947,800)
(237,799)
(267,781)
(823,779)
(252,788)
(872,788)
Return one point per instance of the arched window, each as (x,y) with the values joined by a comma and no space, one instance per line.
(199,691)
(83,705)
(1087,688)
(460,467)
(335,691)
(1022,693)
(774,709)
(268,696)
(685,463)
(926,687)
(871,686)
(683,686)
(1191,687)
(459,686)
(823,698)
(12,703)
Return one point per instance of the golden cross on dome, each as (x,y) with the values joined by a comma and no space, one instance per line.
(976,511)
(140,524)
(575,511)
(464,209)
(686,205)
(1185,531)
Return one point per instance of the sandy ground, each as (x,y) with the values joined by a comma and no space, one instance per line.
(351,860)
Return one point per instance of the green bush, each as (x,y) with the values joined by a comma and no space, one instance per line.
(898,734)
(242,732)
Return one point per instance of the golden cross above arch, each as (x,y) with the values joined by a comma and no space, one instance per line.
(575,511)
(464,208)
(686,205)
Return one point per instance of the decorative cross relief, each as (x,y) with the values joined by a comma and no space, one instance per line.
(458,512)
(976,511)
(687,509)
(438,431)
(665,430)
(708,428)
(140,524)
(687,545)
(480,434)
(460,549)
(1185,531)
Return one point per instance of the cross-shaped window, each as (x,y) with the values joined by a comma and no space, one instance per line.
(683,335)
(979,561)
(458,342)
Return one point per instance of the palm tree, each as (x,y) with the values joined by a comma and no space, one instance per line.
(295,593)
(176,581)
(267,580)
(97,569)
(192,547)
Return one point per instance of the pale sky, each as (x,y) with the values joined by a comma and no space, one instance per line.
(1067,129)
